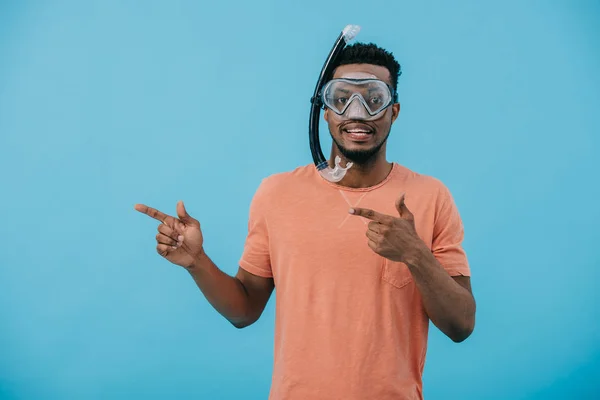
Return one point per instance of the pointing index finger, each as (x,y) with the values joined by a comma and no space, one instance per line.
(152,212)
(370,214)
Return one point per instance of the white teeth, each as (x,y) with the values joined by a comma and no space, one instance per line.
(357,131)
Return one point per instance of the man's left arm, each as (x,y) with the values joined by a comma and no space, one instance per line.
(441,274)
(448,300)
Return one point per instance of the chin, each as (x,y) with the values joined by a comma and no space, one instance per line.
(358,156)
(358,153)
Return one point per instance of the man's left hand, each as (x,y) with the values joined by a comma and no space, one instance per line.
(394,238)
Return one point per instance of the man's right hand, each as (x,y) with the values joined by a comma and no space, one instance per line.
(240,299)
(179,240)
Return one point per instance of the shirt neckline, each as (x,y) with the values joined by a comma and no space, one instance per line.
(365,189)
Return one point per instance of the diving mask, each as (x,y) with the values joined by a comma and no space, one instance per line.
(360,99)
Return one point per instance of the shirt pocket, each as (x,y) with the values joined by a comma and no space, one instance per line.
(396,274)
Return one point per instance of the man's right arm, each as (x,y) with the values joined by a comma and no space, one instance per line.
(241,299)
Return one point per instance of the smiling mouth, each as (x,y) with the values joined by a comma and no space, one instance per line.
(357,132)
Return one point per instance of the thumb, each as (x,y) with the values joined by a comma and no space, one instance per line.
(402,209)
(184,216)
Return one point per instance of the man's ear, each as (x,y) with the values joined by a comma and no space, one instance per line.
(395,111)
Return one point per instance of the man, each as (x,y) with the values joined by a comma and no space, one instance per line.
(360,266)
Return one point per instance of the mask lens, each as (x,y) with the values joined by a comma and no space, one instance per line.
(337,95)
(373,94)
(377,96)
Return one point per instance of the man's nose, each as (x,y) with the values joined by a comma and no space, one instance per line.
(356,110)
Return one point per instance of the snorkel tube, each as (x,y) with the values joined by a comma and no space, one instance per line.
(337,173)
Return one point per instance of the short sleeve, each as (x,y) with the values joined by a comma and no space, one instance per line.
(256,257)
(448,235)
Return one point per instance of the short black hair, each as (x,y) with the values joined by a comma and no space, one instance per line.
(370,53)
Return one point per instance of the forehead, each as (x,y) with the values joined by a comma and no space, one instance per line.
(378,71)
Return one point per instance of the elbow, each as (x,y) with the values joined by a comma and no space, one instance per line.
(243,322)
(240,324)
(460,336)
(462,332)
(463,325)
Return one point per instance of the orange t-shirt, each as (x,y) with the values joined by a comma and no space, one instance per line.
(349,324)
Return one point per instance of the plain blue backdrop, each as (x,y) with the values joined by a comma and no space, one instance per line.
(104,104)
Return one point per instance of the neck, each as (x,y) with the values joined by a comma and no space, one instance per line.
(365,174)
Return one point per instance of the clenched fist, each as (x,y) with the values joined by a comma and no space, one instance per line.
(179,240)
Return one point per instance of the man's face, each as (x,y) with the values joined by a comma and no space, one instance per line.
(359,141)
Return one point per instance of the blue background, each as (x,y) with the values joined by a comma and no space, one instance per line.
(104,104)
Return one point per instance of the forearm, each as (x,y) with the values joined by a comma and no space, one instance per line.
(224,292)
(450,306)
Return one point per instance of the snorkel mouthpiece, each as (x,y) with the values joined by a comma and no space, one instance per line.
(338,172)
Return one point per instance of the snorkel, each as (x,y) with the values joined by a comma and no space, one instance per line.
(338,172)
